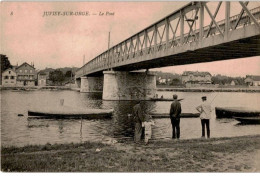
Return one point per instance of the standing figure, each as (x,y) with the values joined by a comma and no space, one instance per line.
(138,118)
(147,124)
(205,115)
(175,113)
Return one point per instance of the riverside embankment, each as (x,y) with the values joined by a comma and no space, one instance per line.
(211,89)
(237,154)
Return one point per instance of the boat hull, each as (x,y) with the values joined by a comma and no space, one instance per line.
(238,112)
(248,120)
(164,99)
(70,113)
(183,115)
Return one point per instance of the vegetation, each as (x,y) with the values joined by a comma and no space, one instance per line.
(222,80)
(56,77)
(5,63)
(61,76)
(204,155)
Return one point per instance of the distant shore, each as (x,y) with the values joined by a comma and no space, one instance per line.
(206,89)
(37,88)
(159,88)
(229,154)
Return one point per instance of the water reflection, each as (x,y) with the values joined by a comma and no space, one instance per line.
(21,130)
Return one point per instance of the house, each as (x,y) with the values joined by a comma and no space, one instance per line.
(192,77)
(26,75)
(9,77)
(162,81)
(233,83)
(42,78)
(252,80)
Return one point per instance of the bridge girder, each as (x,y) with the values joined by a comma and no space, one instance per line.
(160,45)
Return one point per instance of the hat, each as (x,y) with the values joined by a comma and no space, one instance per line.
(204,98)
(175,96)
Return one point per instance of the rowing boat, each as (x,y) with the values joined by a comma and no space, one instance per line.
(248,120)
(164,99)
(230,112)
(183,115)
(66,112)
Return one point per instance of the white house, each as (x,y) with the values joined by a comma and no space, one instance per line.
(196,77)
(252,80)
(42,79)
(9,77)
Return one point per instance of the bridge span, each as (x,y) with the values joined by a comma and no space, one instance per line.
(173,40)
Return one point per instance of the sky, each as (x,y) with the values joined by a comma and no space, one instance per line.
(28,35)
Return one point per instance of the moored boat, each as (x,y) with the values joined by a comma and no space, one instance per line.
(183,115)
(163,99)
(230,112)
(65,112)
(248,120)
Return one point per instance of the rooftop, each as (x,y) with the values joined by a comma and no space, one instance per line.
(195,73)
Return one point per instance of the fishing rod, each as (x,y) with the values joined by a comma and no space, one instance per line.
(214,98)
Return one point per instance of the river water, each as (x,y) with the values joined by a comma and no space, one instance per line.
(19,131)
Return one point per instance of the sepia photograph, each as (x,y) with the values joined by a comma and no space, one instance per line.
(130,86)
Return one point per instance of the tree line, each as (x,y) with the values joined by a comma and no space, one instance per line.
(57,77)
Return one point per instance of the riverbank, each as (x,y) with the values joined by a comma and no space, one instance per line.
(237,154)
(205,89)
(32,88)
(158,88)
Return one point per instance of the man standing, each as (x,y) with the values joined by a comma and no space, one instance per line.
(175,113)
(138,118)
(205,115)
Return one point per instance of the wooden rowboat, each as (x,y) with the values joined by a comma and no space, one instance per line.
(163,99)
(230,112)
(183,115)
(248,120)
(65,112)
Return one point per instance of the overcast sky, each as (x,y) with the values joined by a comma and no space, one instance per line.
(61,41)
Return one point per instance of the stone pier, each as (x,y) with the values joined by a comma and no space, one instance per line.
(120,85)
(91,84)
(78,82)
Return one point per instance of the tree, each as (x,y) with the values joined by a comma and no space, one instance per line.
(57,77)
(5,63)
(68,74)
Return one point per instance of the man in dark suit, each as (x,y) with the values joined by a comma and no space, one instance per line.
(175,113)
(138,118)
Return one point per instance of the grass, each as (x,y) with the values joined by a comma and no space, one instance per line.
(197,155)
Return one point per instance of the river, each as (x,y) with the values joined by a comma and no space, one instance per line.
(19,131)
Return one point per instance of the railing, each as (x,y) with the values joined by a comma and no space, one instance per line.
(142,43)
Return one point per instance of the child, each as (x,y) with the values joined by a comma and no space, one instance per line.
(147,124)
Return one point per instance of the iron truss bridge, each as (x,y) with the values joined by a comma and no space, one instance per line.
(182,38)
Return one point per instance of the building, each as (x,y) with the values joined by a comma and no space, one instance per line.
(252,80)
(9,77)
(26,75)
(42,78)
(191,77)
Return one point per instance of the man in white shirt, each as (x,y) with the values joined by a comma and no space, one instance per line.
(205,115)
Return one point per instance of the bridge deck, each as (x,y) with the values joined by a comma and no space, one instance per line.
(213,43)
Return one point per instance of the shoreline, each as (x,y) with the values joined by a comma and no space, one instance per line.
(227,154)
(168,89)
(201,89)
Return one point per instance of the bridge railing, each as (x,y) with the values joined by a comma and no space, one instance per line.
(165,35)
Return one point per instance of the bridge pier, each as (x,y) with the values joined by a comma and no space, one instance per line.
(119,85)
(78,82)
(91,84)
